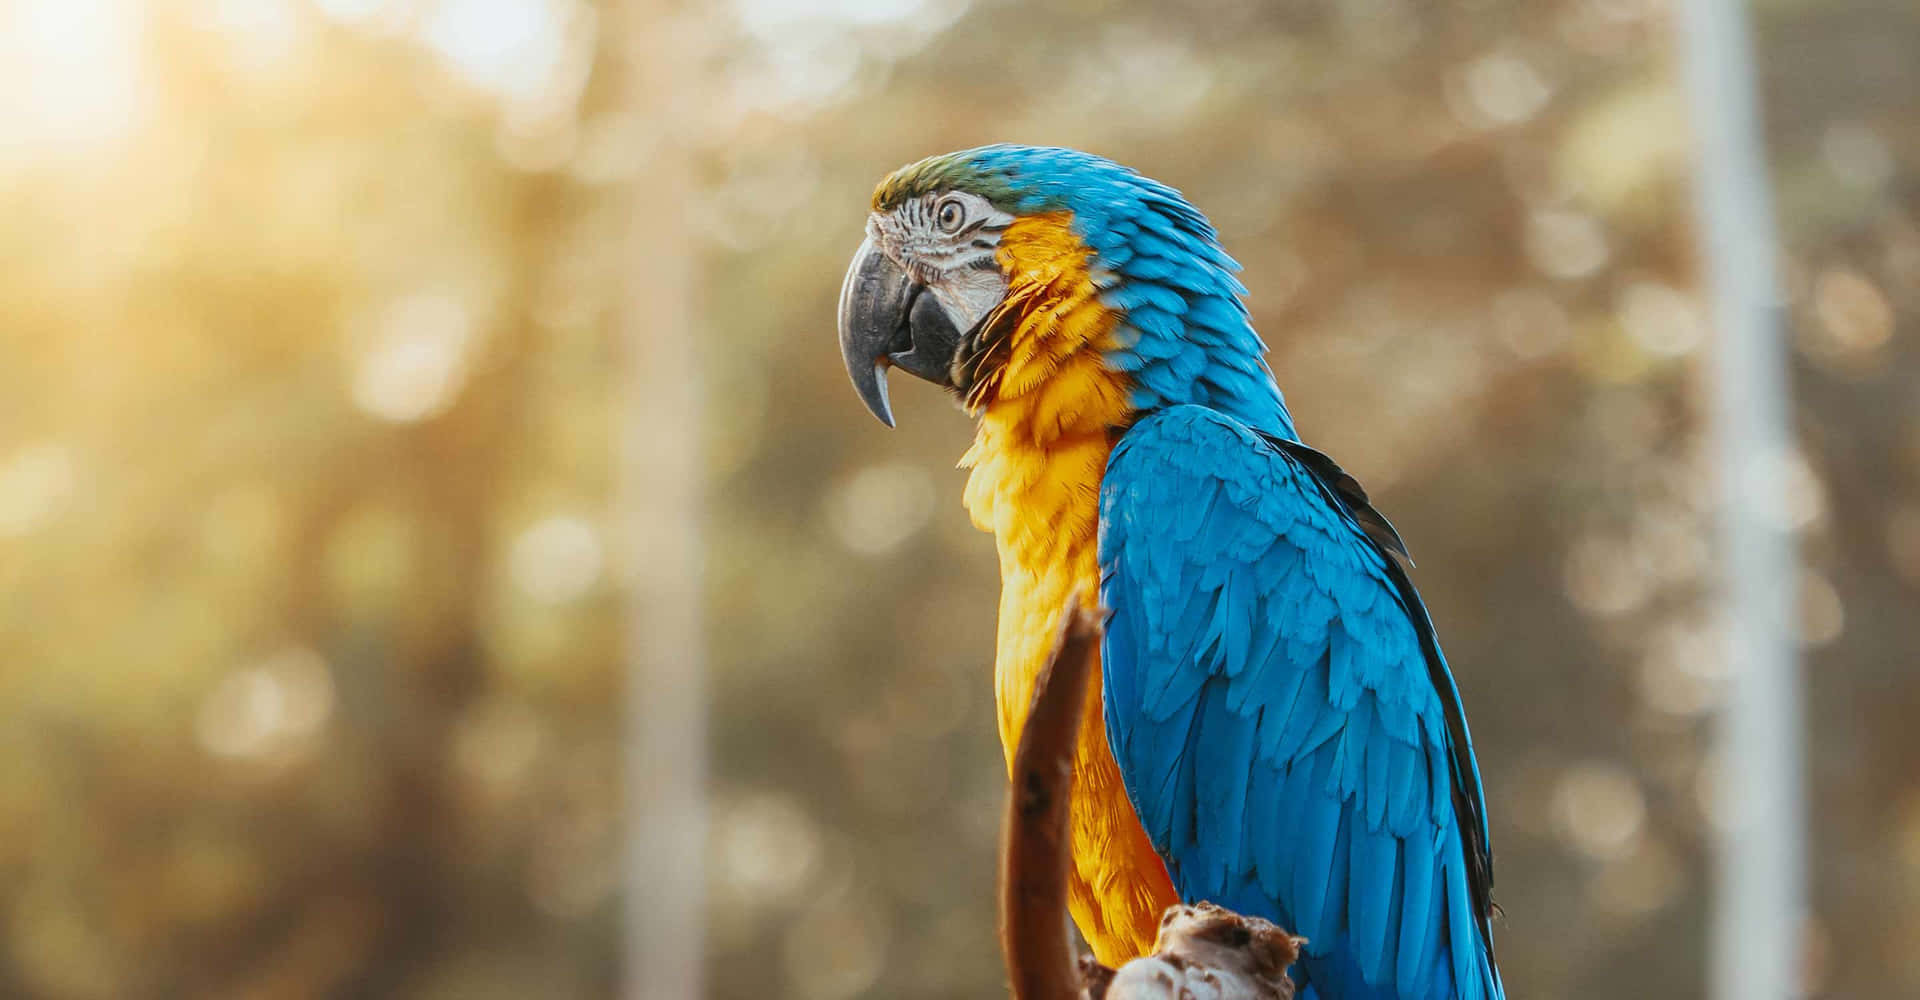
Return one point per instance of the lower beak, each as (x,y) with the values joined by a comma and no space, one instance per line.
(888,320)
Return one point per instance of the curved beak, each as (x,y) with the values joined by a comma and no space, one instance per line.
(887,321)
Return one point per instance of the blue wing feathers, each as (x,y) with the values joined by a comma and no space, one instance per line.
(1419,919)
(1459,927)
(1221,793)
(1280,713)
(1380,791)
(1376,870)
(1313,852)
(1406,810)
(1183,805)
(1333,887)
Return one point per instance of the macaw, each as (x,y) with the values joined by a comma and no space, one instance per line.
(1277,730)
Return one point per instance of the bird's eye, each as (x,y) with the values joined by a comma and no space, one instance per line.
(952,214)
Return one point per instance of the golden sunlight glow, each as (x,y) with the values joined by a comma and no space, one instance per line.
(70,75)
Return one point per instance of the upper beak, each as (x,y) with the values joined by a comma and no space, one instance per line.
(886,321)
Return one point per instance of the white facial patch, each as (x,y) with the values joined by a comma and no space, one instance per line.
(947,242)
(969,294)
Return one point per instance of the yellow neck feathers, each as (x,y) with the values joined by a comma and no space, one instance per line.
(1037,462)
(1055,397)
(1042,443)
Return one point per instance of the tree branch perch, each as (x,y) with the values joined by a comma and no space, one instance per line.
(1203,952)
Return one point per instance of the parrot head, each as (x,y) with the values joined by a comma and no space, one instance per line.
(948,282)
(923,279)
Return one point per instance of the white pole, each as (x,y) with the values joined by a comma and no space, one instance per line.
(660,504)
(1759,867)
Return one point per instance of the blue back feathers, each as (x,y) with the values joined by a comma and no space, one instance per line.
(1287,730)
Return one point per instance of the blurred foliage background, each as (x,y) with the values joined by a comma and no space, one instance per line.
(312,592)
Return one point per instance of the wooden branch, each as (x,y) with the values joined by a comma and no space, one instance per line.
(1033,841)
(1202,952)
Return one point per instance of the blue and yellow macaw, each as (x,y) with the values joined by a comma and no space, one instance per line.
(1277,730)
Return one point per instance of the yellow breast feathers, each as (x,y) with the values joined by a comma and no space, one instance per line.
(1037,461)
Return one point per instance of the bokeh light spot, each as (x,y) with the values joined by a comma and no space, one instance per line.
(1603,579)
(1853,322)
(881,506)
(34,484)
(558,559)
(1566,244)
(417,361)
(1499,89)
(1683,671)
(266,707)
(769,850)
(1598,809)
(1531,323)
(1660,318)
(1802,501)
(1822,616)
